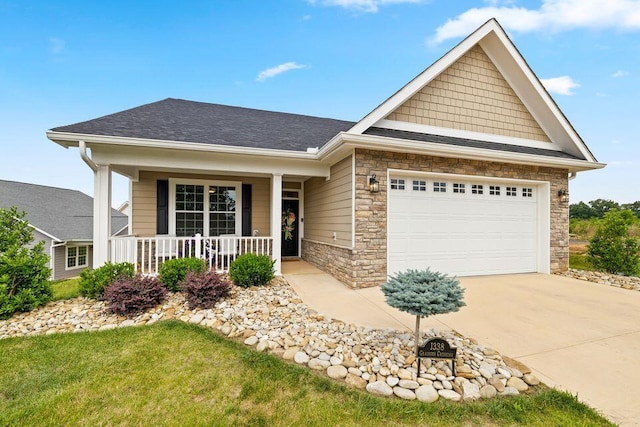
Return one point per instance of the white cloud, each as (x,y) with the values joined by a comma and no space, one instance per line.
(553,15)
(56,45)
(278,69)
(562,85)
(306,17)
(619,74)
(369,6)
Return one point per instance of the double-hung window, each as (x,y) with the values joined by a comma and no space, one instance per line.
(77,256)
(210,208)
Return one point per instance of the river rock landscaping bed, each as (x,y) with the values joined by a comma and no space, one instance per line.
(626,282)
(275,319)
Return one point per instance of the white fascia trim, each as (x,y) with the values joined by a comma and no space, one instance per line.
(118,232)
(430,148)
(411,88)
(51,236)
(466,134)
(67,139)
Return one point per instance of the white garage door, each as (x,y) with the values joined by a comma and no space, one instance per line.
(462,226)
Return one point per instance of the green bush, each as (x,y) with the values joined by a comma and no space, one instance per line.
(173,271)
(612,249)
(93,282)
(24,275)
(423,292)
(251,270)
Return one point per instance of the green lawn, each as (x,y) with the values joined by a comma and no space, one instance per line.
(65,289)
(579,261)
(172,373)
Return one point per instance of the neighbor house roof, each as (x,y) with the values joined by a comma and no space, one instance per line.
(62,213)
(179,120)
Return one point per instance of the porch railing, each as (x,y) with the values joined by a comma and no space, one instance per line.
(148,253)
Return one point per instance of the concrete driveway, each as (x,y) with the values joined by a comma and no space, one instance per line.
(575,335)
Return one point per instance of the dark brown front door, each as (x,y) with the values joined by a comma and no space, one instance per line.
(290,226)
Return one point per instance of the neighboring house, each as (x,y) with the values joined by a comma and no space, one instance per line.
(61,218)
(464,170)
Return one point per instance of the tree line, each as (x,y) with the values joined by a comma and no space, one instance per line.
(599,207)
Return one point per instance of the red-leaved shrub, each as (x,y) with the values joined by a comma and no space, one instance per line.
(135,294)
(203,290)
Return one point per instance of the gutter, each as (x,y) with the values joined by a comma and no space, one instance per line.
(85,157)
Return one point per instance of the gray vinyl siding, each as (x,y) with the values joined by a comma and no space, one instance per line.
(328,206)
(60,257)
(37,237)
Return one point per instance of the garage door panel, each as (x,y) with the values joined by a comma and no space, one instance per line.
(462,234)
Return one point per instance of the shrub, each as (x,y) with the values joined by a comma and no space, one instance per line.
(131,295)
(251,270)
(173,271)
(24,275)
(612,249)
(203,290)
(93,282)
(423,292)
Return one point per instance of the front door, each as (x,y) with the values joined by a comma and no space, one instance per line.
(290,228)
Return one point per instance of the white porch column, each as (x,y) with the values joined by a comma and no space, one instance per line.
(276,220)
(101,214)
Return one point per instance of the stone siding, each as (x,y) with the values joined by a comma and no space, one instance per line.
(334,260)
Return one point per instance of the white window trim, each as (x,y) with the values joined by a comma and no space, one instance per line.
(66,257)
(206,183)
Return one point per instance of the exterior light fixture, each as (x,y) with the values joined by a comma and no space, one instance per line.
(374,185)
(563,196)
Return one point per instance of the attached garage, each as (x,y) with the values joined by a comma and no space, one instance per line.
(465,225)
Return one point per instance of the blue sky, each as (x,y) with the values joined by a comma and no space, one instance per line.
(69,61)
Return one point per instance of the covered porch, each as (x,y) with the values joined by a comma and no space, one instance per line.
(207,205)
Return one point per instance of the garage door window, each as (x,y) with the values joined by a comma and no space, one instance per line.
(397,184)
(439,187)
(512,191)
(494,190)
(458,188)
(527,192)
(419,185)
(477,189)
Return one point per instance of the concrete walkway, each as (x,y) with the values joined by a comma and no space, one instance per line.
(577,336)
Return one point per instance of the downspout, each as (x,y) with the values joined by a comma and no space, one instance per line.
(572,175)
(85,157)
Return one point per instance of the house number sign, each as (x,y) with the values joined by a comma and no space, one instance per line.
(437,348)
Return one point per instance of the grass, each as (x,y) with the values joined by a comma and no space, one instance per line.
(579,261)
(65,289)
(172,373)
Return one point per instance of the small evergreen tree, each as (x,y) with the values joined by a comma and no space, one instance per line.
(612,249)
(423,293)
(24,275)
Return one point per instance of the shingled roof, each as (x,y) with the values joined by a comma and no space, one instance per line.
(62,213)
(188,121)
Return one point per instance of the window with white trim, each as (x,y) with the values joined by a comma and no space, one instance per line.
(439,187)
(397,184)
(494,190)
(458,188)
(512,191)
(527,192)
(419,185)
(477,189)
(209,208)
(77,256)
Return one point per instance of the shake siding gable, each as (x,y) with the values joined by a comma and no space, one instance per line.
(329,206)
(471,95)
(144,193)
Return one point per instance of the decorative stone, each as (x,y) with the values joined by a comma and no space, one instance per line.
(290,353)
(517,383)
(379,388)
(404,374)
(426,393)
(410,384)
(252,340)
(318,364)
(301,357)
(393,381)
(497,383)
(450,395)
(337,371)
(262,346)
(531,379)
(509,391)
(355,381)
(404,393)
(488,392)
(197,318)
(470,391)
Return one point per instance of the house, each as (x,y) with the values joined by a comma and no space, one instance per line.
(61,218)
(464,170)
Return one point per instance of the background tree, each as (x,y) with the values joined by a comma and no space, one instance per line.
(24,275)
(612,249)
(602,206)
(633,207)
(581,211)
(423,293)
